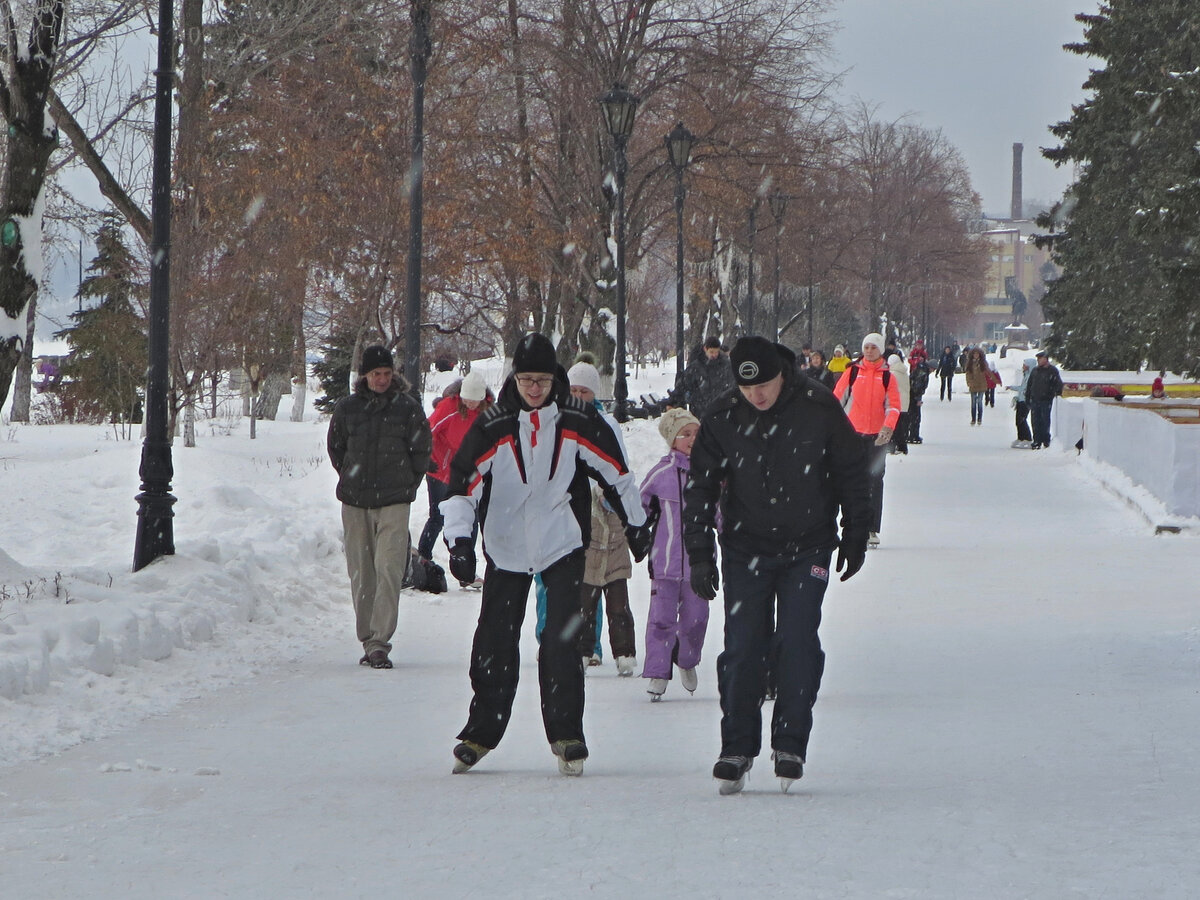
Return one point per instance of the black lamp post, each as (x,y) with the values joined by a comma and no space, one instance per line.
(619,107)
(155,529)
(750,269)
(778,203)
(679,150)
(421,49)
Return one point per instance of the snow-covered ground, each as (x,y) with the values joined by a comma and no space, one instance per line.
(1011,705)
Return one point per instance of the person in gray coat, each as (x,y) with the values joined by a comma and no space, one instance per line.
(379,443)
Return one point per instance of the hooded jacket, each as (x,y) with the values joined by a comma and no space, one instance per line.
(379,444)
(449,425)
(662,498)
(779,475)
(1022,392)
(524,474)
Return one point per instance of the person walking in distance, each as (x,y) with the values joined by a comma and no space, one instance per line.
(518,473)
(871,398)
(976,371)
(918,383)
(778,458)
(1045,383)
(379,443)
(1024,439)
(899,371)
(705,379)
(945,371)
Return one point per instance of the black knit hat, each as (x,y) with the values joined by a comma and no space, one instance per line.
(755,360)
(376,357)
(535,353)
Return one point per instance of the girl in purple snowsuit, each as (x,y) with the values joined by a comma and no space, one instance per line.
(678,618)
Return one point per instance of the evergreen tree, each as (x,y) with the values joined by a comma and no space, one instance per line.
(1125,233)
(333,371)
(104,376)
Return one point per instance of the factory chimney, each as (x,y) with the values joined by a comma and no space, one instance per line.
(1017,200)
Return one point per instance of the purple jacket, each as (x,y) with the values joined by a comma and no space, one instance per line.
(662,498)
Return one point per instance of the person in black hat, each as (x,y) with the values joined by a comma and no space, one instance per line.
(380,445)
(522,471)
(1044,385)
(779,458)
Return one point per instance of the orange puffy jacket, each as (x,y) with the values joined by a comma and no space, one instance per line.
(870,405)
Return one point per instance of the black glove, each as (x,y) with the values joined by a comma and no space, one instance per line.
(639,538)
(462,561)
(851,556)
(704,579)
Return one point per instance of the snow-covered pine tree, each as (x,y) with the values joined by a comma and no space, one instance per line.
(1125,231)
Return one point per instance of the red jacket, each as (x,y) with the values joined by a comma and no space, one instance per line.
(449,426)
(869,405)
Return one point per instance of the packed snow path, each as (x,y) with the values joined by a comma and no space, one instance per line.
(1011,708)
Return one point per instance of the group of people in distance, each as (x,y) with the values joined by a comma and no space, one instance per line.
(762,459)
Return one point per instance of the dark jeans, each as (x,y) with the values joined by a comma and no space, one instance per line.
(947,386)
(496,659)
(976,406)
(1039,411)
(900,436)
(876,464)
(620,618)
(914,422)
(755,586)
(1022,418)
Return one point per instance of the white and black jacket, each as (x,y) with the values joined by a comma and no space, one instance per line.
(524,474)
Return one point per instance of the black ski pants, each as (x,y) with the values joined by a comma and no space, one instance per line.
(755,586)
(496,659)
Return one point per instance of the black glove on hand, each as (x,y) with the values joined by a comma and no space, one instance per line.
(704,580)
(639,538)
(851,557)
(462,560)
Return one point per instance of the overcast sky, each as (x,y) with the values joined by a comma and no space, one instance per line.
(988,74)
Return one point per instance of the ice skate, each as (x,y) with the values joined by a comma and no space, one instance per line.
(625,666)
(687,677)
(873,540)
(731,772)
(658,687)
(788,768)
(466,755)
(571,755)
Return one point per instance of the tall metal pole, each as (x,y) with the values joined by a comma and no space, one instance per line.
(775,306)
(155,528)
(621,388)
(680,191)
(812,249)
(421,48)
(750,271)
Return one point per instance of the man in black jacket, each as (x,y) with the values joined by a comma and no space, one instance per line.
(1045,383)
(706,378)
(379,443)
(780,457)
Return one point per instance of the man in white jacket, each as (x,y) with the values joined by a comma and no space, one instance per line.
(523,472)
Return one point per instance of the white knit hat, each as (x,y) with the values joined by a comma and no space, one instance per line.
(473,387)
(584,375)
(674,421)
(873,338)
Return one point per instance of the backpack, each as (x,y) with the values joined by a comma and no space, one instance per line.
(424,575)
(887,379)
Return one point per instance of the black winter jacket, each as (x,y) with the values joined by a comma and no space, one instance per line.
(380,445)
(702,382)
(1045,383)
(780,475)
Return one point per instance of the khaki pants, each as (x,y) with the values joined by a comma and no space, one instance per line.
(376,553)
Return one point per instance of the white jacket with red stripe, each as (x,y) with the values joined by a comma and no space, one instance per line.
(524,474)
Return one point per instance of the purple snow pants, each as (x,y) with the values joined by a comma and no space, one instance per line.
(678,620)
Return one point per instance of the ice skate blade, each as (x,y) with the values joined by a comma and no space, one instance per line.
(786,783)
(725,788)
(570,767)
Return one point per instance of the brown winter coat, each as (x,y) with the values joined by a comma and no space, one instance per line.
(607,557)
(977,375)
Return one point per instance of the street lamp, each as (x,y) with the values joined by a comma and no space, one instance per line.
(421,48)
(619,107)
(778,203)
(679,150)
(750,270)
(155,529)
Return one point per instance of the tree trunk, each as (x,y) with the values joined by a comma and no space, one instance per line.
(189,425)
(31,139)
(273,386)
(23,382)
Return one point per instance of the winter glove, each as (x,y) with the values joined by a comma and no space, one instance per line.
(885,435)
(462,561)
(704,580)
(639,538)
(851,556)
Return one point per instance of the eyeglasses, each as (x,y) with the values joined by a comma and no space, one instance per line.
(529,381)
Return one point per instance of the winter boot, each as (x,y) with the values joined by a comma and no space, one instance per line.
(625,666)
(658,687)
(687,677)
(788,768)
(571,755)
(466,755)
(731,772)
